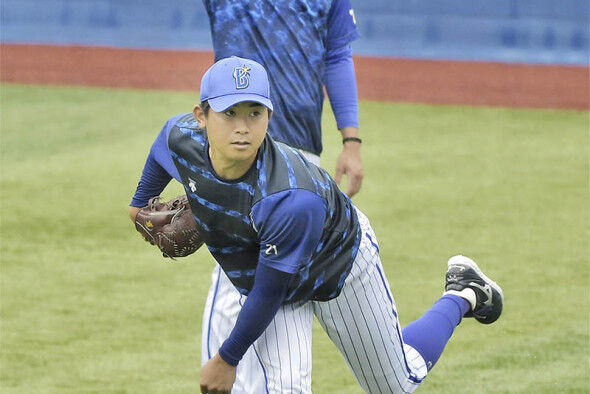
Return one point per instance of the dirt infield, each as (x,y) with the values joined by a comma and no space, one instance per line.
(383,79)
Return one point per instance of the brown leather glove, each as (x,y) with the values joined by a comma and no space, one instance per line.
(170,226)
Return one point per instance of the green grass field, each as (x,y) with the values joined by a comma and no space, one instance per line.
(87,306)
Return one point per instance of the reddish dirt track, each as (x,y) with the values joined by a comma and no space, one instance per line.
(382,79)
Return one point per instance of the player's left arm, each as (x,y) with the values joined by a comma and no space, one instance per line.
(289,225)
(340,82)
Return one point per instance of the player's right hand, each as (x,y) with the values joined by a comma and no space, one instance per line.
(217,376)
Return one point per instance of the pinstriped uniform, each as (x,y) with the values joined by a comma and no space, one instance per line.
(362,322)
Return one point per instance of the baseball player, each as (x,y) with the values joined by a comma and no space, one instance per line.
(295,246)
(304,45)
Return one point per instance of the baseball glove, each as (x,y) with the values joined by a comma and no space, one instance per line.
(170,226)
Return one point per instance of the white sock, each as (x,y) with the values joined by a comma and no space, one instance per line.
(467,294)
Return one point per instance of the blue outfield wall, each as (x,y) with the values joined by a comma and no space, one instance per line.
(523,31)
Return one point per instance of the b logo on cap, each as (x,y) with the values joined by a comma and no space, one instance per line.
(241,75)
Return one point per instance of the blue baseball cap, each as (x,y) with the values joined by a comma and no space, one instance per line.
(234,80)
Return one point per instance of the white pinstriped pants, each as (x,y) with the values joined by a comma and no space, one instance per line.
(362,322)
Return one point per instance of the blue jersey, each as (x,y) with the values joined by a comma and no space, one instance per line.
(304,30)
(284,212)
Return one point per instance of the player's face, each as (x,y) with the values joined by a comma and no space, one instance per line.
(234,136)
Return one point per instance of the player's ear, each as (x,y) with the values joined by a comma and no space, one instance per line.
(199,114)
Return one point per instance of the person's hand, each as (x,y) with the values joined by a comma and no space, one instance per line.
(217,376)
(349,163)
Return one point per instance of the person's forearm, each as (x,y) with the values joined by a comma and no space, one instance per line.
(154,179)
(340,82)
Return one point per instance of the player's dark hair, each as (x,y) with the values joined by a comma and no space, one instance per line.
(205,105)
